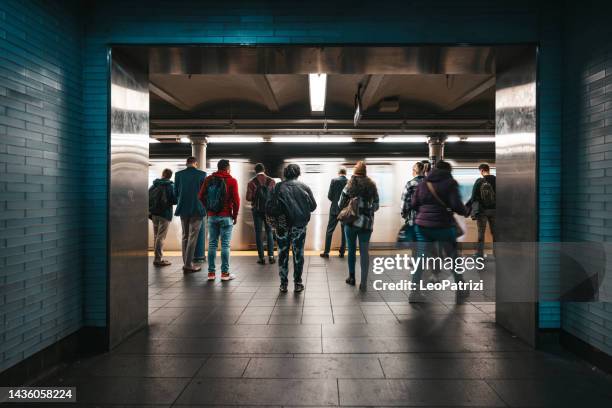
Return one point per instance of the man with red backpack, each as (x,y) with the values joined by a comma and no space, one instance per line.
(259,190)
(219,195)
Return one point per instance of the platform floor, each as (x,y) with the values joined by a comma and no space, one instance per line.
(244,343)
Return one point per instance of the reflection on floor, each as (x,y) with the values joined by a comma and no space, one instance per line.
(244,343)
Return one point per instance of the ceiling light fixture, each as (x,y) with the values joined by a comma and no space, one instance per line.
(312,139)
(185,139)
(318,88)
(152,140)
(403,139)
(235,139)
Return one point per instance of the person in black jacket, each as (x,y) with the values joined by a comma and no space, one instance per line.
(335,189)
(297,203)
(483,204)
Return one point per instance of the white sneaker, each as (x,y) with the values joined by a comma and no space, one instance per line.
(226,276)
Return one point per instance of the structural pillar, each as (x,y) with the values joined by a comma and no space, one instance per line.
(198,150)
(436,147)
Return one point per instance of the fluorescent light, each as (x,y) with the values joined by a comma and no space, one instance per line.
(236,139)
(403,139)
(315,159)
(152,140)
(312,139)
(185,139)
(317,84)
(451,139)
(480,139)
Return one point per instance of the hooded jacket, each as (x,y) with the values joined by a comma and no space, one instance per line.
(430,213)
(169,185)
(231,203)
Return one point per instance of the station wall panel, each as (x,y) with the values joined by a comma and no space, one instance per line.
(318,22)
(40,176)
(587,160)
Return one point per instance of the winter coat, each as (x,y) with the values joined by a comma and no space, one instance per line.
(430,213)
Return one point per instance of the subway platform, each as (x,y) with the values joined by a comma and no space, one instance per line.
(243,343)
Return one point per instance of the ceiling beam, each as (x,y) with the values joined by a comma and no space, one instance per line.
(369,90)
(265,90)
(171,99)
(470,95)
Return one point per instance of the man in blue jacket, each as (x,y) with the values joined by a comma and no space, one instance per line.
(187,184)
(161,200)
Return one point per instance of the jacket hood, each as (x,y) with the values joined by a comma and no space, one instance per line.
(437,175)
(222,174)
(158,182)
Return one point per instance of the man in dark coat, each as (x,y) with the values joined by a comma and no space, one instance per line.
(335,189)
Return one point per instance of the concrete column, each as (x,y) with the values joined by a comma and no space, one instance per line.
(198,150)
(436,147)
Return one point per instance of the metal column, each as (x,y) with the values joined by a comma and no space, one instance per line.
(436,147)
(198,150)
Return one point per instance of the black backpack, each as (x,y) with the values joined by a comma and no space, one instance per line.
(261,196)
(215,194)
(275,211)
(487,194)
(158,199)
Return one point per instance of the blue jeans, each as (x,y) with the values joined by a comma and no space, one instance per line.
(426,238)
(293,237)
(363,236)
(258,220)
(219,227)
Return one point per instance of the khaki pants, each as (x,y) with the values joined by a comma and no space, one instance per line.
(191,230)
(160,230)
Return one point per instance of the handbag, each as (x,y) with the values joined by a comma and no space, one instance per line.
(350,213)
(406,234)
(458,230)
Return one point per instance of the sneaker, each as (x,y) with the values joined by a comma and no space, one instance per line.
(211,276)
(187,269)
(283,287)
(299,287)
(226,276)
(271,260)
(162,262)
(350,281)
(324,255)
(261,261)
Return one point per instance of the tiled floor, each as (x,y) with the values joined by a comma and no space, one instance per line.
(244,343)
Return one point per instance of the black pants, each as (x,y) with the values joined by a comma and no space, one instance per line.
(331,226)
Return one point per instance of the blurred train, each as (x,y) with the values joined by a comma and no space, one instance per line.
(390,175)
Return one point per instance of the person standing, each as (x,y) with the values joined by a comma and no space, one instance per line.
(483,205)
(408,213)
(219,194)
(436,199)
(292,201)
(187,184)
(335,189)
(259,190)
(161,200)
(360,195)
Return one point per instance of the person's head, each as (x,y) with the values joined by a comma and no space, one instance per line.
(292,171)
(417,169)
(192,162)
(223,165)
(167,174)
(260,168)
(360,169)
(443,165)
(342,171)
(426,166)
(485,170)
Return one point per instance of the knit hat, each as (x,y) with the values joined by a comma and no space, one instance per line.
(360,168)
